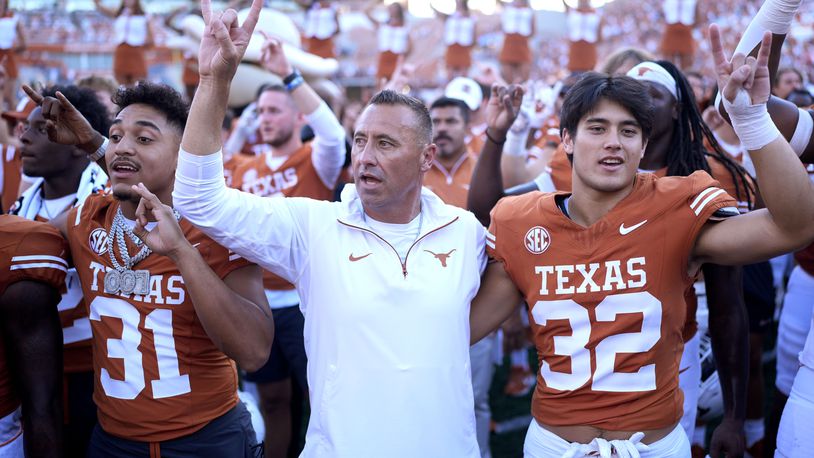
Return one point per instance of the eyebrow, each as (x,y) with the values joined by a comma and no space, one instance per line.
(626,122)
(140,123)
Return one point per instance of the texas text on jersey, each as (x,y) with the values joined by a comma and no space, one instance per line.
(28,251)
(607,301)
(158,376)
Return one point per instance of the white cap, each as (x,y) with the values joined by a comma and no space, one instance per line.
(465,89)
(653,72)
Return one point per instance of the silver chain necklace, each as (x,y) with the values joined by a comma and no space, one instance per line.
(123,279)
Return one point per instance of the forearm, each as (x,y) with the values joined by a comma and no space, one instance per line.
(202,134)
(729,329)
(513,159)
(239,328)
(497,298)
(486,186)
(785,187)
(328,145)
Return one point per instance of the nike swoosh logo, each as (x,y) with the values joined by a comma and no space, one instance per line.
(353,258)
(627,230)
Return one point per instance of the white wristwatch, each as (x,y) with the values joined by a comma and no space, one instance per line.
(99,153)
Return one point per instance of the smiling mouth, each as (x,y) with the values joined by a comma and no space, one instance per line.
(611,161)
(124,167)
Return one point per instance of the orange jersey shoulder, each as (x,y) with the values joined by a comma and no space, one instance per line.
(588,286)
(176,379)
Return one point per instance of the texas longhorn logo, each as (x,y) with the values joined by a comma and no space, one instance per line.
(442,257)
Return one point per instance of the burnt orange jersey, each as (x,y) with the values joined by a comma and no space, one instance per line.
(452,186)
(606,302)
(296,177)
(11,168)
(29,251)
(805,258)
(158,376)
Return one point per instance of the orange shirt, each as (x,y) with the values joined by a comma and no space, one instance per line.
(295,177)
(29,251)
(157,374)
(11,166)
(606,302)
(452,186)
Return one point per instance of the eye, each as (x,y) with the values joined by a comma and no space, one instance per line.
(596,129)
(145,139)
(359,141)
(115,138)
(385,144)
(629,132)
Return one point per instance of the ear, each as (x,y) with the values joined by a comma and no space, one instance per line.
(427,156)
(644,148)
(567,142)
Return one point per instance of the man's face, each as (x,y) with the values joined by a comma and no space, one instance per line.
(664,108)
(279,118)
(607,148)
(143,149)
(388,158)
(40,156)
(787,82)
(448,131)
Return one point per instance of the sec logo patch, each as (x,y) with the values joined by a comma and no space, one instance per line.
(537,240)
(98,240)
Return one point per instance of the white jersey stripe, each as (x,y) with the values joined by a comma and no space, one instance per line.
(701,196)
(78,214)
(490,244)
(39,257)
(37,265)
(708,200)
(490,236)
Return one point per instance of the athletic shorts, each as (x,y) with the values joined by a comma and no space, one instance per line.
(795,438)
(758,294)
(542,443)
(230,435)
(287,357)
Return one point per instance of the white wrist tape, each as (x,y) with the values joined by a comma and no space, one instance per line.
(775,16)
(752,123)
(516,143)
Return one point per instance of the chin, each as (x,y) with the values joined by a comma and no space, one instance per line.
(123,192)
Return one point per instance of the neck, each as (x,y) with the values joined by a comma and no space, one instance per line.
(587,206)
(288,148)
(655,155)
(61,185)
(449,161)
(402,215)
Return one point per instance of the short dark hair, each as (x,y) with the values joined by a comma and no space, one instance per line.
(594,87)
(270,87)
(445,102)
(784,70)
(160,97)
(420,111)
(86,101)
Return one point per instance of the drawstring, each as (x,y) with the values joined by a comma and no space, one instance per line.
(603,448)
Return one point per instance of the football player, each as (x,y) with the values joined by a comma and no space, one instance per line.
(32,274)
(605,267)
(170,314)
(65,177)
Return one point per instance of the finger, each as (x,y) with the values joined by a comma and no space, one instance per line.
(751,62)
(145,193)
(206,11)
(254,14)
(765,50)
(35,96)
(51,109)
(735,83)
(225,43)
(141,210)
(66,104)
(722,65)
(495,92)
(738,60)
(229,18)
(51,129)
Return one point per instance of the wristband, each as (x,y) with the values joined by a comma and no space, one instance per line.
(293,81)
(100,152)
(752,123)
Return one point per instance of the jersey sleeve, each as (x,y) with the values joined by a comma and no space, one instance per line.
(221,260)
(40,256)
(708,199)
(494,247)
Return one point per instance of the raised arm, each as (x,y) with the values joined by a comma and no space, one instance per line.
(788,222)
(369,13)
(486,186)
(328,150)
(32,334)
(109,12)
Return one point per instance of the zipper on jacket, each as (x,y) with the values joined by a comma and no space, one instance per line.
(403,264)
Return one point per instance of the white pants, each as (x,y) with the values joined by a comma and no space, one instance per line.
(482,361)
(795,438)
(689,380)
(11,436)
(541,443)
(795,322)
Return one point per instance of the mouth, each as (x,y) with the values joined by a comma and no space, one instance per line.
(122,168)
(611,163)
(369,180)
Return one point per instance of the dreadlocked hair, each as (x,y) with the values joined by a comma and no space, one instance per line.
(687,150)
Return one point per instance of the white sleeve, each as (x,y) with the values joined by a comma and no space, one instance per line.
(328,152)
(266,231)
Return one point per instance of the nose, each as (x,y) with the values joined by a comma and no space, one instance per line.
(25,136)
(613,140)
(124,147)
(366,154)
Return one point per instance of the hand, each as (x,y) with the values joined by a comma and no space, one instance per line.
(504,105)
(272,57)
(224,42)
(63,122)
(741,73)
(400,80)
(166,238)
(728,440)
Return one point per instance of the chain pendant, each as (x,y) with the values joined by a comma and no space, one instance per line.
(127,282)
